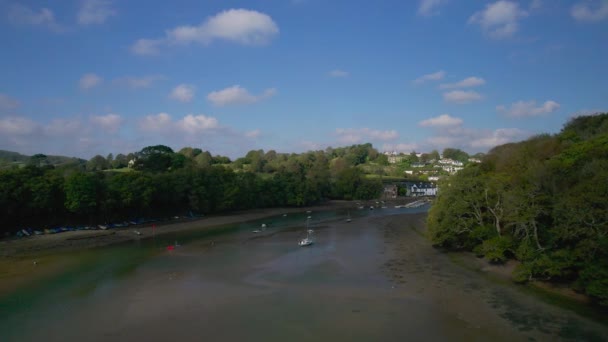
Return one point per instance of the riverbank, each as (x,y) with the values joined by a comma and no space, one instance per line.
(26,260)
(84,239)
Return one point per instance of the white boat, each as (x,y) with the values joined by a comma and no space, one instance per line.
(261,229)
(307,241)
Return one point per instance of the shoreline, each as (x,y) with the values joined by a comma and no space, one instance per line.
(504,273)
(40,245)
(26,260)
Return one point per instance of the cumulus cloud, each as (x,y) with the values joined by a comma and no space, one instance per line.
(253,134)
(193,124)
(237,95)
(466,83)
(87,137)
(458,136)
(461,96)
(146,46)
(95,12)
(109,123)
(339,73)
(189,124)
(183,93)
(155,122)
(357,135)
(436,76)
(138,82)
(16,125)
(402,147)
(88,81)
(429,7)
(528,108)
(499,19)
(590,11)
(443,120)
(241,26)
(22,15)
(63,127)
(536,4)
(7,102)
(489,139)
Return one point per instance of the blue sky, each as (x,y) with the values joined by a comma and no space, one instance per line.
(86,77)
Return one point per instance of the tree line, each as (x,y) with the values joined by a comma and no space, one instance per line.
(163,183)
(542,202)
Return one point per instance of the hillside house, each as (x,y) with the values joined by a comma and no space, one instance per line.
(421,189)
(390,191)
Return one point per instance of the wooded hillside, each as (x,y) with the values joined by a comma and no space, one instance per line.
(543,201)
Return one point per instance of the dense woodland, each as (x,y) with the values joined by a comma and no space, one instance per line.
(42,193)
(543,201)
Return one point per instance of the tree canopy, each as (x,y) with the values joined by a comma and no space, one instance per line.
(541,201)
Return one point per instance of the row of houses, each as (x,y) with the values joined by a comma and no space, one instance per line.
(412,189)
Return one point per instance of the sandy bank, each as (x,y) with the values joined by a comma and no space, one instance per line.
(27,248)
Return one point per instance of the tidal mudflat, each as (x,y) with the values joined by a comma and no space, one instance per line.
(374,279)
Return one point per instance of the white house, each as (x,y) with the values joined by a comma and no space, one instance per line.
(422,189)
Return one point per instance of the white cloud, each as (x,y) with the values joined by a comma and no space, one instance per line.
(62,127)
(536,4)
(241,26)
(466,83)
(7,102)
(443,120)
(461,96)
(146,47)
(253,134)
(22,15)
(193,124)
(590,11)
(139,82)
(436,76)
(237,95)
(110,123)
(88,81)
(458,136)
(497,137)
(339,73)
(95,12)
(353,136)
(189,124)
(182,93)
(402,147)
(16,125)
(528,108)
(155,122)
(500,19)
(429,7)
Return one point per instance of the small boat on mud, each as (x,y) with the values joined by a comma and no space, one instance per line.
(308,240)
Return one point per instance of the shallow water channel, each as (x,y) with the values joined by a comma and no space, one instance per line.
(374,279)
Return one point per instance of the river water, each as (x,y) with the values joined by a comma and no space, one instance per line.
(375,279)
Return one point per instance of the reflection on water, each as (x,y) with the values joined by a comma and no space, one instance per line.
(361,281)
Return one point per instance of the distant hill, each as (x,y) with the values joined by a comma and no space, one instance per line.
(10,158)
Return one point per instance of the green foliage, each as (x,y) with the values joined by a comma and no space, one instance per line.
(455,154)
(594,278)
(497,249)
(541,201)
